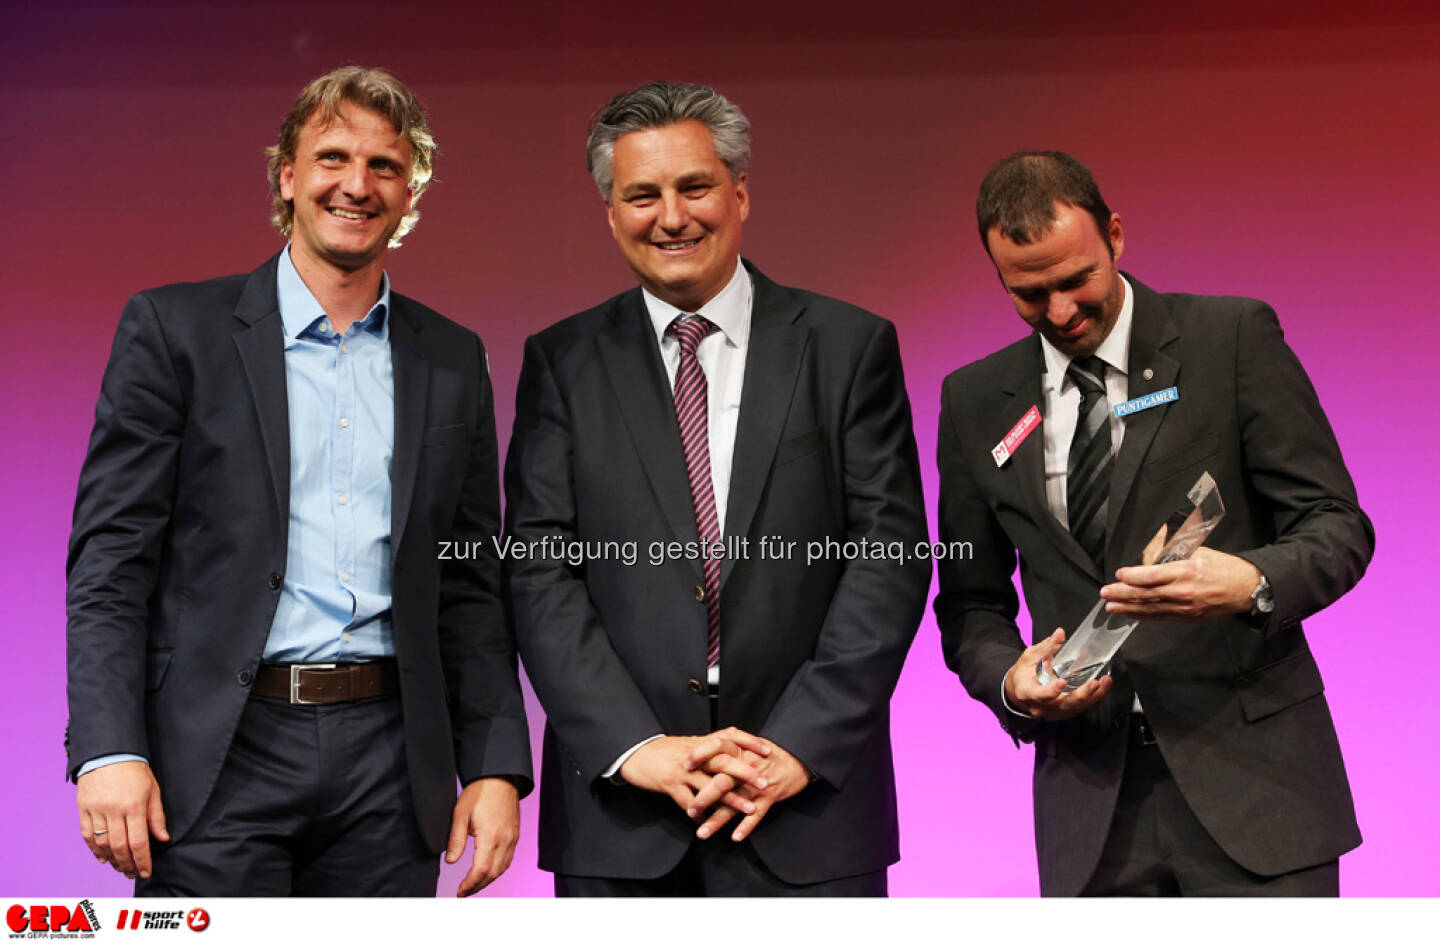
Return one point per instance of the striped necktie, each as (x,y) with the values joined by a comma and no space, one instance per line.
(692,413)
(1090,464)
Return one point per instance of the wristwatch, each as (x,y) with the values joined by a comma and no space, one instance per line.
(1262,599)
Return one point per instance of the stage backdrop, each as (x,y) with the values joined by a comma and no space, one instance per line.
(1288,155)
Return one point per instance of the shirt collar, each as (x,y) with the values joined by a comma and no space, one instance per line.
(729,310)
(301,312)
(1114,350)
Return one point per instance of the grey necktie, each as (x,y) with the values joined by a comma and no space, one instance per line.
(1091,462)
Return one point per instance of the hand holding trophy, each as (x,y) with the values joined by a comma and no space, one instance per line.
(1091,646)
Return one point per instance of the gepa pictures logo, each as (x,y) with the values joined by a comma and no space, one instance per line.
(55,920)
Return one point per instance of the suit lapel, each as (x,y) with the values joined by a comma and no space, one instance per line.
(1022,387)
(261,345)
(412,379)
(772,362)
(1151,330)
(637,376)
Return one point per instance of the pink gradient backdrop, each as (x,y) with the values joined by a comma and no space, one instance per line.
(1283,154)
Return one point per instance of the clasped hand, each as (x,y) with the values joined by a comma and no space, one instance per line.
(729,773)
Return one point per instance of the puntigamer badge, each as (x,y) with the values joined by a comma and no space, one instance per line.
(1146,401)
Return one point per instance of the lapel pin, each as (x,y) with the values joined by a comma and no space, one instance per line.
(1148,374)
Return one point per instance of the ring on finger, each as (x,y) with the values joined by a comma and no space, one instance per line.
(99,832)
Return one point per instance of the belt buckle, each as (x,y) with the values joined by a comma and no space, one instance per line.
(295,669)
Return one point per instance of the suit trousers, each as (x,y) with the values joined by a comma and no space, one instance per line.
(311,801)
(720,868)
(1157,846)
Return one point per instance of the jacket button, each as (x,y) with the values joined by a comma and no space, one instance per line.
(275,581)
(695,686)
(244,677)
(700,593)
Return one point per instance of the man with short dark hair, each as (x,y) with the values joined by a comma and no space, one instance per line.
(719,712)
(1206,762)
(272,669)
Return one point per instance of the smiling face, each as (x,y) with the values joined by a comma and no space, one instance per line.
(350,185)
(1065,283)
(676,213)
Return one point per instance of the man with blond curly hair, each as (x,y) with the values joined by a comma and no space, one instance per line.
(272,670)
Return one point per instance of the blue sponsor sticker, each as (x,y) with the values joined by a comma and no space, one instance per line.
(1147,401)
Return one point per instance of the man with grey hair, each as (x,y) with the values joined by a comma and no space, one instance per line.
(719,712)
(271,669)
(1205,761)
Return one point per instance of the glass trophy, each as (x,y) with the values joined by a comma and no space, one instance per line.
(1088,649)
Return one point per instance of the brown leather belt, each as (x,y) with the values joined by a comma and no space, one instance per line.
(319,684)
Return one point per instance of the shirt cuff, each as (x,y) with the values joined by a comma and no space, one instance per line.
(611,773)
(1006,699)
(104,760)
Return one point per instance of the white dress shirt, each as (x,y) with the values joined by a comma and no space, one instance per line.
(1062,401)
(722,358)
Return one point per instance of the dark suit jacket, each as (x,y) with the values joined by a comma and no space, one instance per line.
(809,653)
(179,545)
(1237,705)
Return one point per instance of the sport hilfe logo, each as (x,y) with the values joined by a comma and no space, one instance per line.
(135,919)
(61,920)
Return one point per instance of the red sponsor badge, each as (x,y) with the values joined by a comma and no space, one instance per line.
(1027,423)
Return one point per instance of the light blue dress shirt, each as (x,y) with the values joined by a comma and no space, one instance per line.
(335,605)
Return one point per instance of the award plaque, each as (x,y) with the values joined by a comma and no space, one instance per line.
(1088,649)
